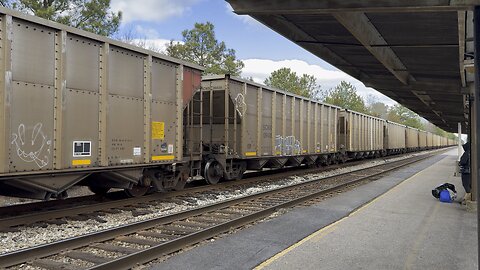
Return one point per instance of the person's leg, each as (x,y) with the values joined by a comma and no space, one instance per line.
(467,185)
(466,182)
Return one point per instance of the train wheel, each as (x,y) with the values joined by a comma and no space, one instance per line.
(240,174)
(213,172)
(335,159)
(99,190)
(182,181)
(136,191)
(329,160)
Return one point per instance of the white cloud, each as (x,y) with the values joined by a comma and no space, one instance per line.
(145,37)
(151,10)
(146,32)
(260,69)
(154,44)
(244,18)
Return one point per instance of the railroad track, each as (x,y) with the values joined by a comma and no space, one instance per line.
(141,242)
(55,212)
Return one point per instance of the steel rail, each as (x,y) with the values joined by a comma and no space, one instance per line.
(96,205)
(153,252)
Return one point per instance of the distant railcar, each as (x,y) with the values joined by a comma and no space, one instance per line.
(436,141)
(251,126)
(422,139)
(412,139)
(429,140)
(361,135)
(395,137)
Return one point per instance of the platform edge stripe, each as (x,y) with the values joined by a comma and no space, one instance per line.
(332,225)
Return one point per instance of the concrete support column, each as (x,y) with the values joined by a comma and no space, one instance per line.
(475,119)
(459,141)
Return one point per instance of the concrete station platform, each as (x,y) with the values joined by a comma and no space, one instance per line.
(392,223)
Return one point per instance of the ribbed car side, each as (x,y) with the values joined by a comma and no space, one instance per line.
(81,109)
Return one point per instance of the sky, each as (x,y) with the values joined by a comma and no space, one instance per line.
(261,49)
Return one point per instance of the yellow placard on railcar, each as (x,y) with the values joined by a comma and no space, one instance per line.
(158,130)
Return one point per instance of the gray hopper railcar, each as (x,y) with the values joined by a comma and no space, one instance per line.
(251,126)
(78,108)
(422,139)
(361,135)
(437,141)
(429,140)
(412,139)
(395,138)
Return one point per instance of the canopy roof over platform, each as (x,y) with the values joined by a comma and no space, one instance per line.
(417,52)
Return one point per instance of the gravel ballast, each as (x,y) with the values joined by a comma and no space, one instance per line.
(33,236)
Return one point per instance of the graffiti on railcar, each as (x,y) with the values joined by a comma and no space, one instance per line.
(240,104)
(34,147)
(288,145)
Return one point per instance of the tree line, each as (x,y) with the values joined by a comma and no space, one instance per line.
(200,45)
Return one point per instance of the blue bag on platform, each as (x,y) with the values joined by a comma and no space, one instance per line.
(445,196)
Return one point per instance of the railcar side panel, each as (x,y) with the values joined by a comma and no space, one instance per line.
(125,107)
(32,94)
(289,126)
(80,125)
(429,140)
(439,141)
(280,114)
(304,126)
(362,133)
(329,138)
(297,127)
(312,127)
(422,139)
(164,123)
(394,136)
(266,124)
(250,131)
(412,136)
(74,101)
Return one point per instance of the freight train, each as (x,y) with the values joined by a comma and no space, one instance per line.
(81,109)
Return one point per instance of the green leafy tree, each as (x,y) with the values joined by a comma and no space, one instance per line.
(90,15)
(345,95)
(200,46)
(378,109)
(375,107)
(452,136)
(440,132)
(403,115)
(436,130)
(288,80)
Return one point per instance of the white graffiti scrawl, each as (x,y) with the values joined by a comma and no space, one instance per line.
(240,104)
(287,145)
(32,149)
